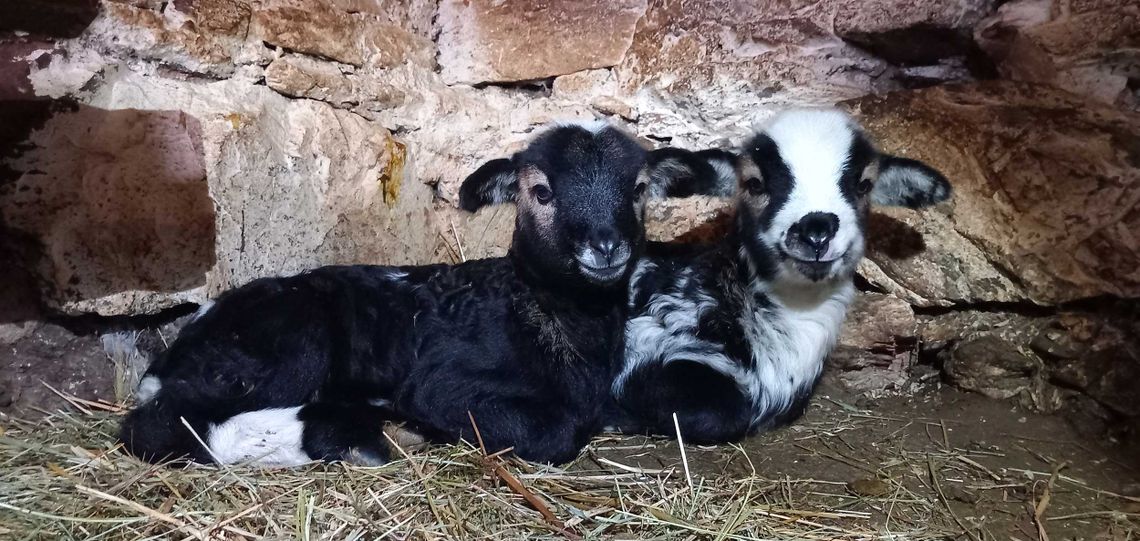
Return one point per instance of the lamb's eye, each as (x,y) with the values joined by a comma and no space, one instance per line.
(639,190)
(864,186)
(754,185)
(542,194)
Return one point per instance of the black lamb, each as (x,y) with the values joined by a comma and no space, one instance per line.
(286,370)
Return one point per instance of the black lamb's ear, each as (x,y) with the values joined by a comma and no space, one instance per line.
(904,182)
(492,183)
(674,172)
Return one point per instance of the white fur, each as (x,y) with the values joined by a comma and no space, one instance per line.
(395,275)
(725,176)
(148,388)
(665,171)
(666,330)
(790,341)
(206,306)
(815,143)
(594,126)
(269,437)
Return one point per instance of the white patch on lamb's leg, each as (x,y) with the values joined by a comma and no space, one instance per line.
(269,437)
(148,388)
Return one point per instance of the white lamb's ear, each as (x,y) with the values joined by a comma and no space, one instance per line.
(904,182)
(492,183)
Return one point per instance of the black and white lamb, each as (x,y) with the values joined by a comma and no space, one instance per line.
(286,370)
(732,338)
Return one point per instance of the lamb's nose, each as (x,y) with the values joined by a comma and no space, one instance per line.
(817,229)
(604,242)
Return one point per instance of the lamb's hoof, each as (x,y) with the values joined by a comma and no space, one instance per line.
(360,456)
(402,437)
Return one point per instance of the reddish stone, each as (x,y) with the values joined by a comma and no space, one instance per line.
(487,41)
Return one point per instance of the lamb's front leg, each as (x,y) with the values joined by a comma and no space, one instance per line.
(547,427)
(347,432)
(539,430)
(710,406)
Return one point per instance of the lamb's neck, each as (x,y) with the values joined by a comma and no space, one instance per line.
(806,297)
(567,296)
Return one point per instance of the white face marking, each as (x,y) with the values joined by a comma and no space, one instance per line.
(815,145)
(269,437)
(542,214)
(148,388)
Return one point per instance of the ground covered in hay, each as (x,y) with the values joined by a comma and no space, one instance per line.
(943,465)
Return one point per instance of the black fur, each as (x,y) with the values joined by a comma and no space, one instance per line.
(524,344)
(775,175)
(710,407)
(345,431)
(492,183)
(672,173)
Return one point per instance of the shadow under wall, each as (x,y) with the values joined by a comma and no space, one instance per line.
(893,238)
(54,18)
(96,202)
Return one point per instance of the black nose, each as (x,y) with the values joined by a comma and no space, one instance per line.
(816,230)
(604,242)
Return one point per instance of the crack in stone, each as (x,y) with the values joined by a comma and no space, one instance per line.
(1100,303)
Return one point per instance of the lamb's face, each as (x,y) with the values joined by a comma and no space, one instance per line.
(806,186)
(581,200)
(580,193)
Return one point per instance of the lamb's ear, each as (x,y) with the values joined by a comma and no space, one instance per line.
(492,183)
(904,182)
(674,172)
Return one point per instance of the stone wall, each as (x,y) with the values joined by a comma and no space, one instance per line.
(160,152)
